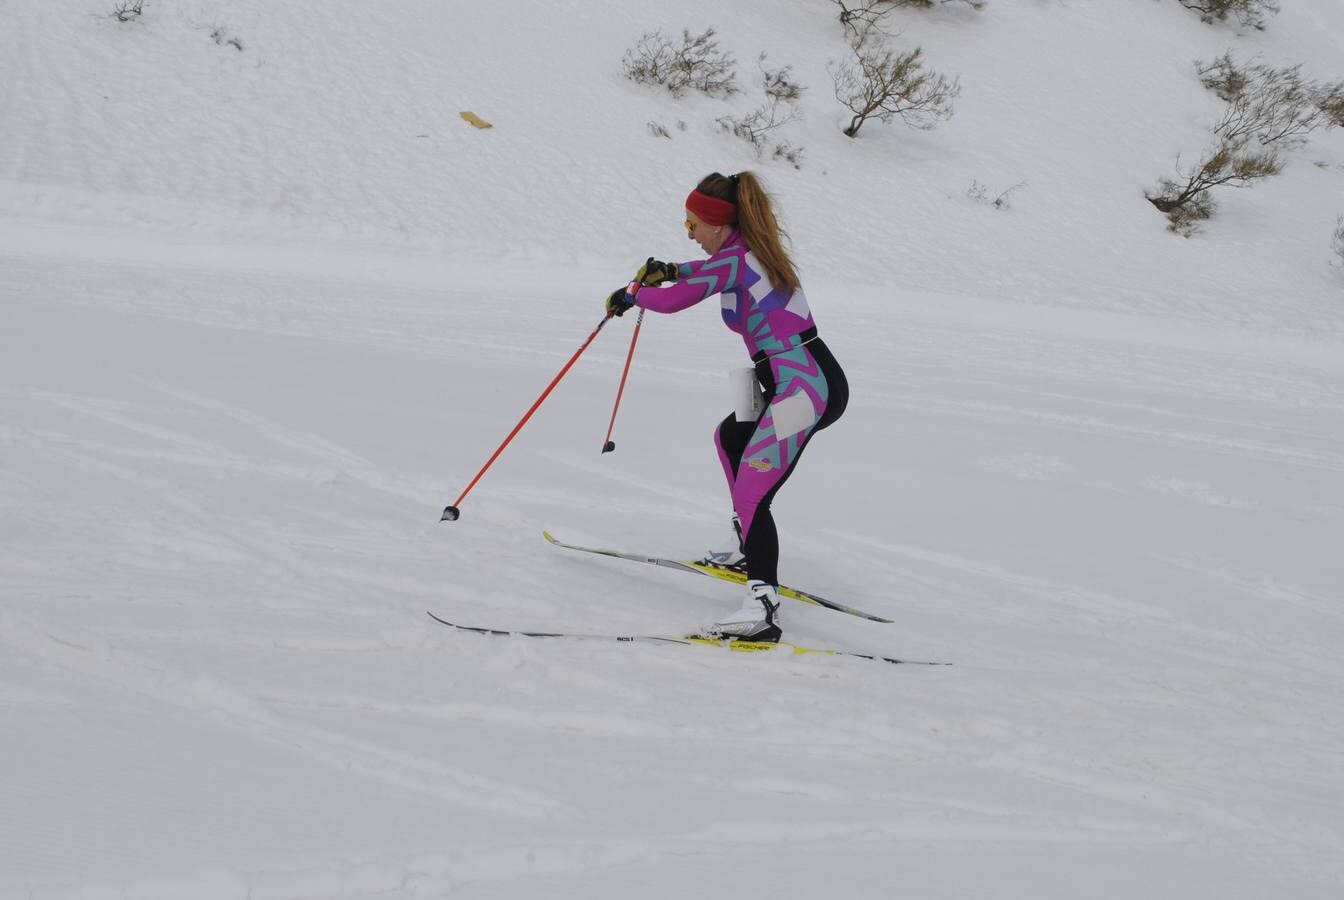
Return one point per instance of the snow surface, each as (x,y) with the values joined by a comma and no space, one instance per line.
(264,312)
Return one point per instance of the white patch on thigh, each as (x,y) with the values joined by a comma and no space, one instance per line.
(792,414)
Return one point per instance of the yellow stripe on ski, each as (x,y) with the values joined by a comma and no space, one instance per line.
(756,646)
(736,577)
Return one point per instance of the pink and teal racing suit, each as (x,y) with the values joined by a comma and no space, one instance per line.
(805,389)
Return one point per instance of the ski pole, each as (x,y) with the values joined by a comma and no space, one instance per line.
(451,513)
(609,445)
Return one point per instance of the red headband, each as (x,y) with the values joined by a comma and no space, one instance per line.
(711,210)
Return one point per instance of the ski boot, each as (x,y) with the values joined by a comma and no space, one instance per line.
(757,620)
(728,557)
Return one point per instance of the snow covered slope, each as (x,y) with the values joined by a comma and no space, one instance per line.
(264,311)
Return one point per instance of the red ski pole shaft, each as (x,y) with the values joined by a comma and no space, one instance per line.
(609,445)
(451,513)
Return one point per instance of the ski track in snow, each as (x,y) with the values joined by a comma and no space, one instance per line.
(308,638)
(261,626)
(1034,654)
(95,660)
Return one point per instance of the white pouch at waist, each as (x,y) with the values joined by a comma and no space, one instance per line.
(748,401)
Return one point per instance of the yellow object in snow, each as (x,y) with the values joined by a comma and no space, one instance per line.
(475,120)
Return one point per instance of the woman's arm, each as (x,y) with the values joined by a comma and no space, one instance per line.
(699,279)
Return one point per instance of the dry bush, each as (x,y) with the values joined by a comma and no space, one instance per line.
(126,10)
(980,193)
(1333,107)
(780,108)
(1276,106)
(1337,243)
(223,39)
(697,63)
(1250,13)
(1224,76)
(860,17)
(1186,200)
(878,82)
(1269,111)
(929,4)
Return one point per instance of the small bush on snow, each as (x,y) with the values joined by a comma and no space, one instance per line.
(1333,107)
(780,108)
(222,38)
(1268,111)
(980,194)
(126,10)
(1185,199)
(864,18)
(1251,13)
(854,12)
(1279,106)
(1337,243)
(696,63)
(928,4)
(860,17)
(878,82)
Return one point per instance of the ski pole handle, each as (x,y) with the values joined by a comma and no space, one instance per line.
(451,513)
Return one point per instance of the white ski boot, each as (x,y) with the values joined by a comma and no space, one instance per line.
(757,620)
(728,557)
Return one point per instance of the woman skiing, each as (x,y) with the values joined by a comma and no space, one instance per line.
(732,219)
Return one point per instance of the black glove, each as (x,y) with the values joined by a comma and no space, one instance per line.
(654,273)
(619,302)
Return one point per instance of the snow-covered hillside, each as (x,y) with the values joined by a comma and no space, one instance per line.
(264,311)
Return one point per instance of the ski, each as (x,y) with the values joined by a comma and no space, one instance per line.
(723,574)
(693,640)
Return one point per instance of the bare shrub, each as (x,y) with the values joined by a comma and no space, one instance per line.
(929,4)
(1332,104)
(759,127)
(1337,244)
(1187,218)
(126,10)
(1185,199)
(220,37)
(1277,106)
(1224,76)
(878,82)
(697,63)
(861,17)
(658,129)
(1250,13)
(1269,111)
(864,18)
(980,194)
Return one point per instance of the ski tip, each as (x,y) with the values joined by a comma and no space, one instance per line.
(609,446)
(450,514)
(548,536)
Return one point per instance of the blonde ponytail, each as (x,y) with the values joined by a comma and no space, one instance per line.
(756,220)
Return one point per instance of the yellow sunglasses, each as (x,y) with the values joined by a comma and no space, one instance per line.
(690,225)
